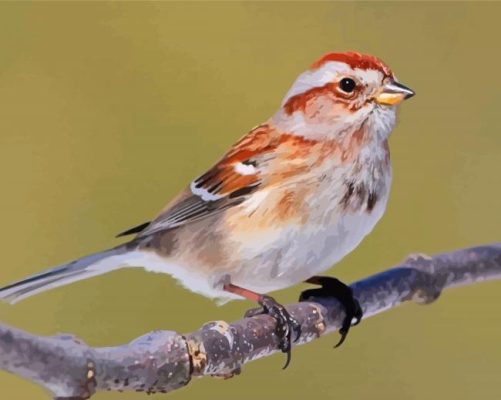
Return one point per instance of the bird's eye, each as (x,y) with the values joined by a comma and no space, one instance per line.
(347,85)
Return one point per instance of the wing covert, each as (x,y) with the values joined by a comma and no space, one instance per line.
(228,183)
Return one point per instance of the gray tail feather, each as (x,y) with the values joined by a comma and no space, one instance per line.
(85,267)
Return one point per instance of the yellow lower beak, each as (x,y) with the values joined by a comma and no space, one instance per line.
(393,93)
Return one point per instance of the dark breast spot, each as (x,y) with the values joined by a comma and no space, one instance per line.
(371,201)
(356,196)
(350,188)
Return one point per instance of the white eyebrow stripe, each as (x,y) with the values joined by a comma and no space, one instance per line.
(317,78)
(244,169)
(326,74)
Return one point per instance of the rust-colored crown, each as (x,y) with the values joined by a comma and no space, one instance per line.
(354,60)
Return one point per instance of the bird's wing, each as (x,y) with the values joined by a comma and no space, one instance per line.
(228,183)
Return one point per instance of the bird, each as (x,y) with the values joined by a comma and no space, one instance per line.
(284,204)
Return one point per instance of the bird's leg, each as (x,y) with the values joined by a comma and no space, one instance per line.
(286,324)
(332,287)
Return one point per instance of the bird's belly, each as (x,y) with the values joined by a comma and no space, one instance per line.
(297,253)
(263,256)
(276,259)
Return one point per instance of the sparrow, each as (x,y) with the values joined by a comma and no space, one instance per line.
(287,201)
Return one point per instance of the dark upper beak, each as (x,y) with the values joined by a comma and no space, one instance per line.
(393,93)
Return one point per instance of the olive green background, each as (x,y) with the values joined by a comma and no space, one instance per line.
(107,110)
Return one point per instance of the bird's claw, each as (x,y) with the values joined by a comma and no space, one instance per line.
(286,324)
(356,313)
(332,287)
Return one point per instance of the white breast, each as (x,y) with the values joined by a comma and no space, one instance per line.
(296,253)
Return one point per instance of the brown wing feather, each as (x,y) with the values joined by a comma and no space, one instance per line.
(222,186)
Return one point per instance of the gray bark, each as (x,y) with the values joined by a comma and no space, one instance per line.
(162,361)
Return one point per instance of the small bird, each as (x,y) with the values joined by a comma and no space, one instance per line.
(286,202)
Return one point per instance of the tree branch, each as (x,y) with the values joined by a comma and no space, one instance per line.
(163,361)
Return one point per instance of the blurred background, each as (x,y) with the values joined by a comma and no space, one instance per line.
(108,110)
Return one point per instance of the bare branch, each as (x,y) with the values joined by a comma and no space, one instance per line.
(163,361)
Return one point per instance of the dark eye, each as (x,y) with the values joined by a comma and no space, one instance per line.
(347,85)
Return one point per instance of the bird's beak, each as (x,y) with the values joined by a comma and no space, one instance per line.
(393,93)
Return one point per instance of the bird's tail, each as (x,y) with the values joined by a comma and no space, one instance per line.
(83,268)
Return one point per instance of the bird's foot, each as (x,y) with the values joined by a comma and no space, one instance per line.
(332,287)
(286,324)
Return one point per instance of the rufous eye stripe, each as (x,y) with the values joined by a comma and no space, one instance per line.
(300,101)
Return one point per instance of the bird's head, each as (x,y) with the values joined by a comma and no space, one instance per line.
(340,93)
